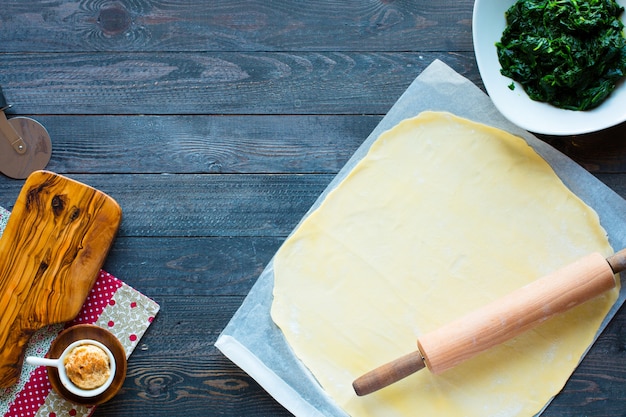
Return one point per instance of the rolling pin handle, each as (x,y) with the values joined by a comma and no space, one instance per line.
(389,373)
(618,261)
(501,320)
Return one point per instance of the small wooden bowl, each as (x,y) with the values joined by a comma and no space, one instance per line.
(88,331)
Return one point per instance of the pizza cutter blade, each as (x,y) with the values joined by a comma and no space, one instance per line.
(25,145)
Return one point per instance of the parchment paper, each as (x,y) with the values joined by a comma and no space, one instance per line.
(252,340)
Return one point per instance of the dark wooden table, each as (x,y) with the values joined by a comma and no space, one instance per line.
(216,124)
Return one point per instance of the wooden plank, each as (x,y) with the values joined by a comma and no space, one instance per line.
(259,144)
(596,388)
(205,144)
(617,182)
(84,26)
(176,367)
(202,205)
(245,144)
(211,205)
(603,151)
(191,266)
(216,83)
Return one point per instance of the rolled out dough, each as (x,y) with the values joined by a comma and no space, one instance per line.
(440,217)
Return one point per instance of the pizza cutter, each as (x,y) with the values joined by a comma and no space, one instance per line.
(501,320)
(25,145)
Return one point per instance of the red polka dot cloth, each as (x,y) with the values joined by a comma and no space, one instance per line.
(111,304)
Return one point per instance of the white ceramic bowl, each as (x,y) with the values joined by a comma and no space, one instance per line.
(488,23)
(65,380)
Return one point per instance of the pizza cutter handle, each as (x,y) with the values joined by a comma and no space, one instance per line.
(3,101)
(7,131)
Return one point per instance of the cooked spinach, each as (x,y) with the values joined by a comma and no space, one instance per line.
(569,53)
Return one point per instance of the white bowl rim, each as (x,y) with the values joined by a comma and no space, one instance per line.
(488,22)
(69,385)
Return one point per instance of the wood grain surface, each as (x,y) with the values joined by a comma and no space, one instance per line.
(51,251)
(216,125)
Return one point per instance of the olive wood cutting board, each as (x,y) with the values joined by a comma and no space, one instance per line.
(54,245)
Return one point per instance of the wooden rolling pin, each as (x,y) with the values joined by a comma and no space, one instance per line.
(501,320)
